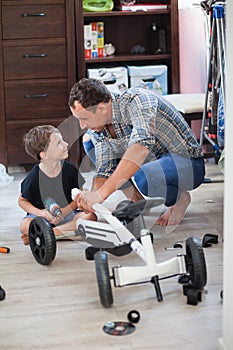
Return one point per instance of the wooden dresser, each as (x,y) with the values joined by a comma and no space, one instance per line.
(37,70)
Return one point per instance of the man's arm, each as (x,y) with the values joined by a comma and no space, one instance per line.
(130,163)
(97,183)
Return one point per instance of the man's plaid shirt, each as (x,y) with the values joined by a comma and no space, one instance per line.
(142,116)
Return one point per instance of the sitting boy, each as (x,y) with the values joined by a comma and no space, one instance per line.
(52,177)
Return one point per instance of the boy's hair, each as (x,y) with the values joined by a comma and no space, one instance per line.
(37,139)
(89,92)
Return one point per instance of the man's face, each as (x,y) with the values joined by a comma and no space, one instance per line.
(90,120)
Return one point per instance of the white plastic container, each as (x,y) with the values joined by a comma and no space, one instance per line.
(149,77)
(116,78)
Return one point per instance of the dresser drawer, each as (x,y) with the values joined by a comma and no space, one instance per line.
(33,21)
(34,59)
(36,99)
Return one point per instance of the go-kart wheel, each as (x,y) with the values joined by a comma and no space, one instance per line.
(195,263)
(2,293)
(221,294)
(103,278)
(42,241)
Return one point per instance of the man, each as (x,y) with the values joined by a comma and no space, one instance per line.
(138,135)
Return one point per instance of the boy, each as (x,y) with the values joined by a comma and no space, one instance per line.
(53,177)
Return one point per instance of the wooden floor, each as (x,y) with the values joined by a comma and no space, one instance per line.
(58,306)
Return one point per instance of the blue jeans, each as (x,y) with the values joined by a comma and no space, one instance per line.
(168,176)
(89,150)
(165,177)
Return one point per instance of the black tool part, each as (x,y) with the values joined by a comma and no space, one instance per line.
(133,316)
(208,239)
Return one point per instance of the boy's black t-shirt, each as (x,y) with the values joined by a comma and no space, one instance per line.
(37,186)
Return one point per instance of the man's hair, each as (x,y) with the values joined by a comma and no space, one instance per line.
(37,139)
(89,92)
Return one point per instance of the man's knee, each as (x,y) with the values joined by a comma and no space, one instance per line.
(141,182)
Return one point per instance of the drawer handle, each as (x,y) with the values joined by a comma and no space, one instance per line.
(36,55)
(36,96)
(33,14)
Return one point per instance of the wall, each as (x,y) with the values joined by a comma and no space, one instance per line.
(194,47)
(226,342)
(193,41)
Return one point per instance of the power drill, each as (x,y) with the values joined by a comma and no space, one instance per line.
(52,207)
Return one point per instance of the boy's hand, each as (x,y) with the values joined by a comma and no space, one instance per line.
(47,215)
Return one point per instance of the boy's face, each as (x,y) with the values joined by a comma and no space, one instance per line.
(57,148)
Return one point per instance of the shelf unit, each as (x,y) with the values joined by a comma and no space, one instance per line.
(127,29)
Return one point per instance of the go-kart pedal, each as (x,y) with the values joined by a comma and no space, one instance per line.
(90,252)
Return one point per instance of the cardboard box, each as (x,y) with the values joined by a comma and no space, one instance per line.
(149,77)
(116,78)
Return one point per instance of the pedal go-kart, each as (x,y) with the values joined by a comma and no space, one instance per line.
(122,232)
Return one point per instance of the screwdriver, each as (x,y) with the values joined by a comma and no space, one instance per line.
(5,250)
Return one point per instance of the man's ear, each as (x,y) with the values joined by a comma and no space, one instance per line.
(102,107)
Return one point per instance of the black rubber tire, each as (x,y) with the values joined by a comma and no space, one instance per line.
(195,263)
(221,294)
(42,241)
(103,278)
(2,293)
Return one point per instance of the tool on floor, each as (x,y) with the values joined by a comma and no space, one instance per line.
(209,239)
(118,328)
(134,316)
(5,250)
(122,327)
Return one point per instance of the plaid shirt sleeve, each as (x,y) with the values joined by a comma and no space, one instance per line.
(160,127)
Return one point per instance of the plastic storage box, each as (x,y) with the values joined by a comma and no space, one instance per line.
(116,78)
(149,77)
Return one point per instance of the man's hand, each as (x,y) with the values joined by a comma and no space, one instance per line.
(86,199)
